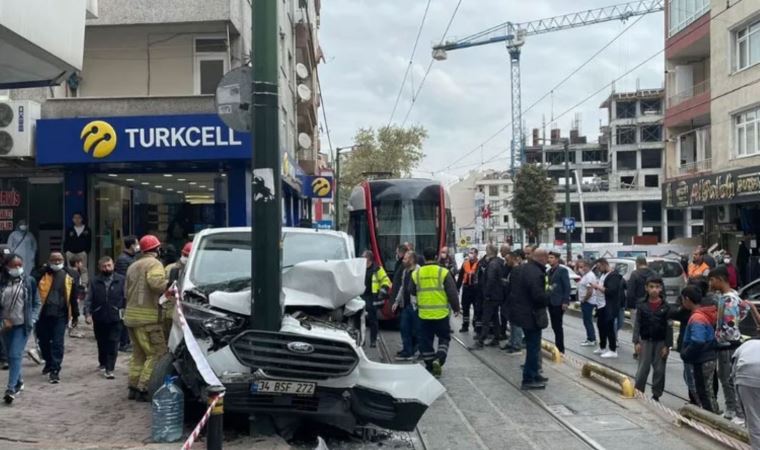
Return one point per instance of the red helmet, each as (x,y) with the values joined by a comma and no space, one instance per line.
(187,249)
(149,243)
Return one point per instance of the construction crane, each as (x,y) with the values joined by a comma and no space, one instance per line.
(514,35)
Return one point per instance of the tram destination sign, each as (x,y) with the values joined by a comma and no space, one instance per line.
(735,186)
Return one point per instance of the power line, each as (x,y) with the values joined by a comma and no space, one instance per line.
(430,64)
(411,62)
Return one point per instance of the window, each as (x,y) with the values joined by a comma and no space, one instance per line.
(651,106)
(746,132)
(626,160)
(505,219)
(651,159)
(210,64)
(493,190)
(505,189)
(625,135)
(651,133)
(652,181)
(747,46)
(505,203)
(651,211)
(625,110)
(684,12)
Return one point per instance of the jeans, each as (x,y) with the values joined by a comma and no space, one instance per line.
(619,320)
(703,379)
(371,321)
(15,341)
(726,380)
(51,332)
(107,336)
(410,330)
(532,355)
(688,378)
(555,314)
(588,320)
(515,336)
(429,329)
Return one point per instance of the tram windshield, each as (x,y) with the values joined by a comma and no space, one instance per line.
(401,221)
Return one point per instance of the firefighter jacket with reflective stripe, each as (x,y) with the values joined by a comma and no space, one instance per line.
(146,281)
(432,301)
(46,284)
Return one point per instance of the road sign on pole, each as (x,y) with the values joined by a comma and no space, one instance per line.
(569,223)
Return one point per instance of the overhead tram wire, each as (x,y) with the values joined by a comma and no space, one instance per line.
(680,38)
(430,65)
(550,91)
(411,63)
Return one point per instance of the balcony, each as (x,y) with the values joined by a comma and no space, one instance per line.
(689,107)
(695,167)
(682,13)
(689,93)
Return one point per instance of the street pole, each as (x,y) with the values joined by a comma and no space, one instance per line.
(336,197)
(266,192)
(568,232)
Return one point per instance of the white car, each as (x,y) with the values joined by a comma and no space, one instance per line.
(314,367)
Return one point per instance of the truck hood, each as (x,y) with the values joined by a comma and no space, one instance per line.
(325,284)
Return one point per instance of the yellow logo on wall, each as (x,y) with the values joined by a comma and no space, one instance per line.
(321,187)
(99,138)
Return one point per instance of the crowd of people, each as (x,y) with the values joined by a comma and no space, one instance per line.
(509,296)
(125,301)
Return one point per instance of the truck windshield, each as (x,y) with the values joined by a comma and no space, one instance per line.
(227,256)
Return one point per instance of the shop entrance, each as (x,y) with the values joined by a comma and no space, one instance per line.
(172,206)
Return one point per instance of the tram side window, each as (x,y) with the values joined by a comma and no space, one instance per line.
(358,227)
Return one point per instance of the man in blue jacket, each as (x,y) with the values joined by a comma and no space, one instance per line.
(559,298)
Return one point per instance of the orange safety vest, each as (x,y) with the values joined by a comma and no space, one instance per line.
(696,271)
(469,271)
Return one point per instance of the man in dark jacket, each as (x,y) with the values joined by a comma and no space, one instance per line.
(127,257)
(104,306)
(377,287)
(699,347)
(409,320)
(506,268)
(493,296)
(559,298)
(78,241)
(517,262)
(531,299)
(636,291)
(613,288)
(653,338)
(468,282)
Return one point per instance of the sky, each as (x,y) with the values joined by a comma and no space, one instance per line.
(466,99)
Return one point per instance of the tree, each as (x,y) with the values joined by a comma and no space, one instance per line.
(390,149)
(533,201)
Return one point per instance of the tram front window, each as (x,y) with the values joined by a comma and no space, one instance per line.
(405,221)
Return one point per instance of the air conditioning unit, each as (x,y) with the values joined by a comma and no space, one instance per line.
(18,119)
(726,214)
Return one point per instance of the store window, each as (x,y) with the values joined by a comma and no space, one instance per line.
(746,132)
(747,46)
(210,64)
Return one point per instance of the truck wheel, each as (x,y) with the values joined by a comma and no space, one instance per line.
(164,367)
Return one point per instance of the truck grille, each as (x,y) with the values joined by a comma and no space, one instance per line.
(269,352)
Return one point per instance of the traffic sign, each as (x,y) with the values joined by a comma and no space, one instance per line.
(569,223)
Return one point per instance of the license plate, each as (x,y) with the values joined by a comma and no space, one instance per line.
(283,387)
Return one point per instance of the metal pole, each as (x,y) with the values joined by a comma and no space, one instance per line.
(215,427)
(337,188)
(568,233)
(266,195)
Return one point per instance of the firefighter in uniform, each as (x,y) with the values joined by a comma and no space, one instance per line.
(434,291)
(146,281)
(173,273)
(377,287)
(471,293)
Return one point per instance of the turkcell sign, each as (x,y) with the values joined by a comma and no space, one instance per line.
(94,140)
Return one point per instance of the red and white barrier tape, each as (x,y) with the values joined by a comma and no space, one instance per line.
(197,430)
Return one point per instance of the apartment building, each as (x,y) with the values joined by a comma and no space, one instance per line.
(133,140)
(713,158)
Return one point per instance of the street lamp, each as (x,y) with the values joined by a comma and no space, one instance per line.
(337,181)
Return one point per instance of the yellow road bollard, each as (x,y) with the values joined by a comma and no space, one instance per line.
(552,350)
(626,385)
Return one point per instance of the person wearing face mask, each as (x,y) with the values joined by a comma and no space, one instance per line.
(733,273)
(60,307)
(22,243)
(174,270)
(19,309)
(104,308)
(127,257)
(447,261)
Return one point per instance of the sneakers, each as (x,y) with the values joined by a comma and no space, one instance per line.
(437,369)
(75,334)
(46,370)
(4,365)
(599,351)
(729,414)
(489,341)
(34,355)
(588,343)
(514,352)
(503,344)
(9,397)
(19,386)
(738,421)
(102,369)
(609,354)
(532,385)
(541,379)
(55,378)
(109,375)
(373,345)
(465,328)
(401,356)
(125,348)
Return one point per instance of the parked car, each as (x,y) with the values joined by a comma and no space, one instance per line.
(314,367)
(670,270)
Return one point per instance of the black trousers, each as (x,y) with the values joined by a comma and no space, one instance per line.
(51,331)
(471,297)
(108,336)
(429,330)
(491,323)
(555,314)
(605,322)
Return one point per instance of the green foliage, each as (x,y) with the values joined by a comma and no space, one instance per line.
(533,202)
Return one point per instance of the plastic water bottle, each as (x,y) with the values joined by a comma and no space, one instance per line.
(168,412)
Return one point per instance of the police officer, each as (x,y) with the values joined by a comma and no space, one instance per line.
(377,286)
(434,291)
(146,281)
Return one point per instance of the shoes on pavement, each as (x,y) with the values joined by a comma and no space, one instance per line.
(532,385)
(599,351)
(541,379)
(729,414)
(46,370)
(504,344)
(75,334)
(588,343)
(401,356)
(55,378)
(437,369)
(102,369)
(738,421)
(9,397)
(34,355)
(132,394)
(489,341)
(478,345)
(19,386)
(143,396)
(609,354)
(514,352)
(656,398)
(109,375)
(464,329)
(4,365)
(373,345)
(125,348)
(477,330)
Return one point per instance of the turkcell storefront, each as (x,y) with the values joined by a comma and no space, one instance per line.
(168,175)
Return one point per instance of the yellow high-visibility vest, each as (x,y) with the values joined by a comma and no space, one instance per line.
(432,302)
